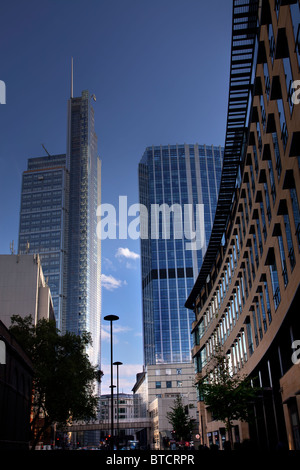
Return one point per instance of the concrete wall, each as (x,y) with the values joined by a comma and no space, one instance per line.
(23,290)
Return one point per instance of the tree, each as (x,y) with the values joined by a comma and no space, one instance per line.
(64,379)
(181,422)
(228,396)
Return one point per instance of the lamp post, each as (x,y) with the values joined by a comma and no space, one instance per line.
(118,364)
(111,318)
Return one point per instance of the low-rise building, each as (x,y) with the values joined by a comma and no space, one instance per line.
(16,374)
(155,393)
(23,289)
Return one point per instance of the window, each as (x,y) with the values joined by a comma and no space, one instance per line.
(263,311)
(295,15)
(267,202)
(275,284)
(178,371)
(259,319)
(277,154)
(267,79)
(271,42)
(283,261)
(255,249)
(289,80)
(284,133)
(288,233)
(255,326)
(249,337)
(263,220)
(296,213)
(157,384)
(272,181)
(169,384)
(179,383)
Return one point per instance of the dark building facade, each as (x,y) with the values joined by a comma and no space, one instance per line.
(44,222)
(246,296)
(16,375)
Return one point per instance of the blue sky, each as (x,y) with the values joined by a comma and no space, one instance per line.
(159,70)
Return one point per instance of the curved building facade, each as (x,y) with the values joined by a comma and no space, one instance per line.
(246,294)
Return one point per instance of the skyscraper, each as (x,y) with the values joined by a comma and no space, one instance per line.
(83,312)
(60,196)
(43,221)
(182,177)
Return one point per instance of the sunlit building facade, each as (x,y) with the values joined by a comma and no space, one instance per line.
(246,296)
(83,312)
(58,220)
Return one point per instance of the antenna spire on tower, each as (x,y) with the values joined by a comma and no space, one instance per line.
(72,78)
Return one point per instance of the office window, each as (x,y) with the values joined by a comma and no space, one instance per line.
(277,154)
(295,16)
(283,261)
(255,326)
(263,311)
(275,284)
(288,233)
(272,181)
(284,133)
(296,213)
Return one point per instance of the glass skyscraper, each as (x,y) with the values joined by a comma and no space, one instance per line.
(185,176)
(83,311)
(43,221)
(58,220)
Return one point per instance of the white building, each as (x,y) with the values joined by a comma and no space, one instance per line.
(23,289)
(155,392)
(123,408)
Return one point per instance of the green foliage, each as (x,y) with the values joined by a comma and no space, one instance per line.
(228,396)
(64,379)
(181,422)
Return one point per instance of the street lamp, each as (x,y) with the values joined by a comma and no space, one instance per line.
(111,318)
(118,364)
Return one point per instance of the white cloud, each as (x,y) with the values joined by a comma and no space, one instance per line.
(126,253)
(108,264)
(111,283)
(105,333)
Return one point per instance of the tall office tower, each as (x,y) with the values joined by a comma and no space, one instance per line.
(179,177)
(43,221)
(83,276)
(60,196)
